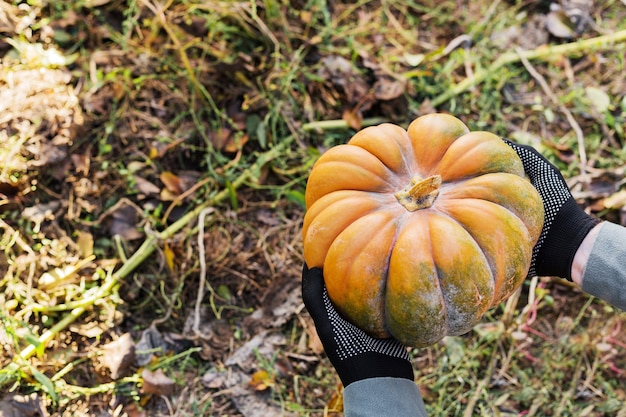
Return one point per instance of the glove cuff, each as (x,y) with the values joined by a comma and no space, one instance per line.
(373,365)
(570,226)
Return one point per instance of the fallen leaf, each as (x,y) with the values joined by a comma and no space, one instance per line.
(157,383)
(154,343)
(335,402)
(528,35)
(145,187)
(150,344)
(267,217)
(81,163)
(615,201)
(261,380)
(213,336)
(599,99)
(306,16)
(353,118)
(213,379)
(341,73)
(124,223)
(235,143)
(169,256)
(220,138)
(387,88)
(118,355)
(167,195)
(559,25)
(315,343)
(172,182)
(414,60)
(263,344)
(563,152)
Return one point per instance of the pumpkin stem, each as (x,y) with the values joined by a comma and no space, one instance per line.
(421,192)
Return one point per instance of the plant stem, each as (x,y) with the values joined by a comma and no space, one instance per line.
(420,193)
(145,250)
(339,124)
(541,52)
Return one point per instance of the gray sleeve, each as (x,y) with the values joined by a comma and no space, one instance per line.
(605,273)
(380,397)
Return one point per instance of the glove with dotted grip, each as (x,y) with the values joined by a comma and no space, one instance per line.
(565,223)
(354,354)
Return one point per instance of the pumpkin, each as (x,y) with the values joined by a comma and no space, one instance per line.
(420,231)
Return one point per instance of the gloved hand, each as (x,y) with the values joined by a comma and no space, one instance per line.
(565,223)
(354,354)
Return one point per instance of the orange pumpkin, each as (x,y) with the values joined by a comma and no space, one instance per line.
(420,231)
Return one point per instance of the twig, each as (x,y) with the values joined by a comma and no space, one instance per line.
(202,279)
(580,136)
(541,52)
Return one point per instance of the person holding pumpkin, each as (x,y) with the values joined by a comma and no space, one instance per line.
(377,374)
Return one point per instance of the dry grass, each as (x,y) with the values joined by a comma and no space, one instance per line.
(125,122)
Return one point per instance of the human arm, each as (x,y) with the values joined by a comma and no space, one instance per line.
(383,396)
(599,265)
(582,255)
(377,373)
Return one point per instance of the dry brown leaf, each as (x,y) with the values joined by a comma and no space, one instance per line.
(167,195)
(353,118)
(213,379)
(145,187)
(172,182)
(233,145)
(335,402)
(388,88)
(157,383)
(564,153)
(315,343)
(118,355)
(124,223)
(342,74)
(81,162)
(153,343)
(615,201)
(220,137)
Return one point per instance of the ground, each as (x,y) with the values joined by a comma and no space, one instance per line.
(154,157)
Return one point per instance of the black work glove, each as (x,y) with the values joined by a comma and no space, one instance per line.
(565,223)
(354,354)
